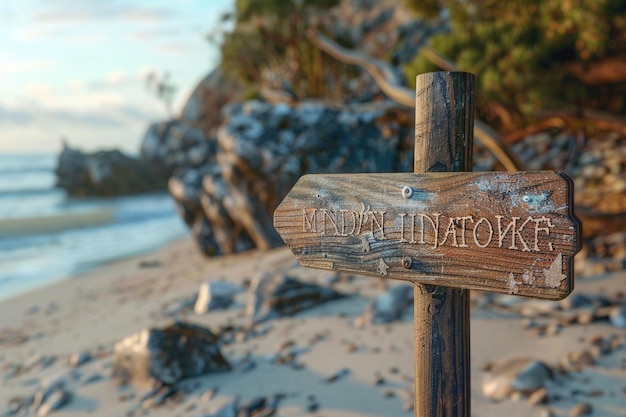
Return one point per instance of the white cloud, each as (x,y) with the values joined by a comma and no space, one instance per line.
(85,12)
(17,66)
(173,48)
(38,90)
(116,77)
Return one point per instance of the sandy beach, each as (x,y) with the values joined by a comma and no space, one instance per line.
(340,369)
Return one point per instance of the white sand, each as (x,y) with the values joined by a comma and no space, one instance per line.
(96,309)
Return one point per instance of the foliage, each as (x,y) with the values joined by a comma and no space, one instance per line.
(525,52)
(163,88)
(268,47)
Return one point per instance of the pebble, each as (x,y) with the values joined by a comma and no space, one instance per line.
(582,409)
(209,394)
(575,361)
(617,316)
(79,358)
(338,375)
(538,397)
(56,400)
(585,316)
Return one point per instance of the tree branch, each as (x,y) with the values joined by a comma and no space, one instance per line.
(391,85)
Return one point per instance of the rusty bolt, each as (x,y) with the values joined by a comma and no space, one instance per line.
(407,262)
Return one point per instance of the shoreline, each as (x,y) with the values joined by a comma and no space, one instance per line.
(16,289)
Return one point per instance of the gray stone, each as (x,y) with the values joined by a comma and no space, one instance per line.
(54,401)
(106,174)
(523,375)
(79,358)
(389,306)
(167,355)
(617,317)
(215,295)
(277,295)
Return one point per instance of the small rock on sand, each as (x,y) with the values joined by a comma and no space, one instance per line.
(522,375)
(214,296)
(388,306)
(167,355)
(278,295)
(582,409)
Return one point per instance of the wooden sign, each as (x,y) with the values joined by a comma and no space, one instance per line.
(510,233)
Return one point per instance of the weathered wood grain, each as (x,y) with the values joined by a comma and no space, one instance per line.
(501,232)
(441,319)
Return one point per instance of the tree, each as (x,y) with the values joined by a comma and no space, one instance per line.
(163,88)
(533,55)
(268,46)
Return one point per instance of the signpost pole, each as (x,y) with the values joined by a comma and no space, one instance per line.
(444,116)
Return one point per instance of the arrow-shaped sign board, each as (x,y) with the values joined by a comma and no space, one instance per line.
(510,233)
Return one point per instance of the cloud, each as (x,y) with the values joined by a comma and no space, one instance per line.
(86,12)
(173,48)
(27,65)
(38,90)
(157,33)
(15,116)
(115,78)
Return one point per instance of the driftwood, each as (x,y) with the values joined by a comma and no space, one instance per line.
(391,85)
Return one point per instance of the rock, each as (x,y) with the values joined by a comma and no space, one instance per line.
(575,361)
(617,316)
(575,300)
(229,182)
(388,306)
(106,174)
(582,409)
(49,386)
(158,396)
(230,409)
(278,295)
(538,397)
(79,358)
(342,373)
(215,295)
(167,355)
(17,404)
(522,375)
(54,401)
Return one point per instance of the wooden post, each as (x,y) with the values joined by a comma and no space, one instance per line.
(447,232)
(444,115)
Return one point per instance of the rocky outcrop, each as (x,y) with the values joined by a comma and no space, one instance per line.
(167,355)
(106,174)
(228,184)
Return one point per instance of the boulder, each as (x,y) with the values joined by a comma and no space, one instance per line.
(278,295)
(167,355)
(256,155)
(106,174)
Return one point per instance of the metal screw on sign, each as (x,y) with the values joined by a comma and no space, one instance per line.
(442,228)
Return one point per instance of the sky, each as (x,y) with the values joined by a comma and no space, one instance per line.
(75,70)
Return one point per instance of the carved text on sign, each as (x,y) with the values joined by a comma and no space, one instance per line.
(434,229)
(500,232)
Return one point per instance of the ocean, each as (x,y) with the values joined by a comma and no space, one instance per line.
(46,236)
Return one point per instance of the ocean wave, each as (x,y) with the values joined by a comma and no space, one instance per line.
(27,181)
(27,162)
(25,226)
(32,192)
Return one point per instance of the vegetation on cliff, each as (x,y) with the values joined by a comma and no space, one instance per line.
(533,55)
